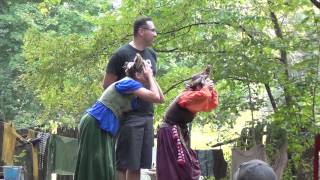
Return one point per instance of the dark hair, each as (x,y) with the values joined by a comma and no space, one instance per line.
(139,22)
(136,66)
(198,80)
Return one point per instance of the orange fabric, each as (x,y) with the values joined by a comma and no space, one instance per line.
(200,100)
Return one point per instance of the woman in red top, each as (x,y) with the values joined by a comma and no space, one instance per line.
(175,159)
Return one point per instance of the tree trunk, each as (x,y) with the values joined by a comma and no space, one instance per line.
(316,3)
(272,101)
(283,56)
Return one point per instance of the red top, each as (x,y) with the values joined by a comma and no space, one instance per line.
(199,100)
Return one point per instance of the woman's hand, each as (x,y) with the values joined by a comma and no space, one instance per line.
(147,70)
(209,83)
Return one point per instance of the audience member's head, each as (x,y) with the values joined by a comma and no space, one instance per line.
(254,170)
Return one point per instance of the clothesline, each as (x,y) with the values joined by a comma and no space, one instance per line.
(230,141)
(224,142)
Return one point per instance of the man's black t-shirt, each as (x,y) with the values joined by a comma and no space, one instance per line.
(116,66)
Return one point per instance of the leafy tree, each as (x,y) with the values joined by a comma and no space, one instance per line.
(265,56)
(16,102)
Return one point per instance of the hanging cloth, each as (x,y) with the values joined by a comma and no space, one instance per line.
(212,163)
(9,142)
(62,155)
(220,165)
(240,156)
(206,160)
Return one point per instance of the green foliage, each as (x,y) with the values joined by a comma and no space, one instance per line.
(19,99)
(15,99)
(68,82)
(252,45)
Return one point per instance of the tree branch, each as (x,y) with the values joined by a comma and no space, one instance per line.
(174,36)
(176,84)
(283,54)
(245,31)
(316,3)
(242,28)
(242,79)
(177,50)
(276,25)
(208,23)
(188,26)
(252,115)
(272,101)
(166,50)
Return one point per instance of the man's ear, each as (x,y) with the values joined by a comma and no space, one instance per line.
(140,32)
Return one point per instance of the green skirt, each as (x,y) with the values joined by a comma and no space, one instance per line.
(96,155)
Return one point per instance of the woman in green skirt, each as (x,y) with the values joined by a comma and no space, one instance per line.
(99,125)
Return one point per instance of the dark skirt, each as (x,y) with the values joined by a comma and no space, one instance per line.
(169,165)
(96,155)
